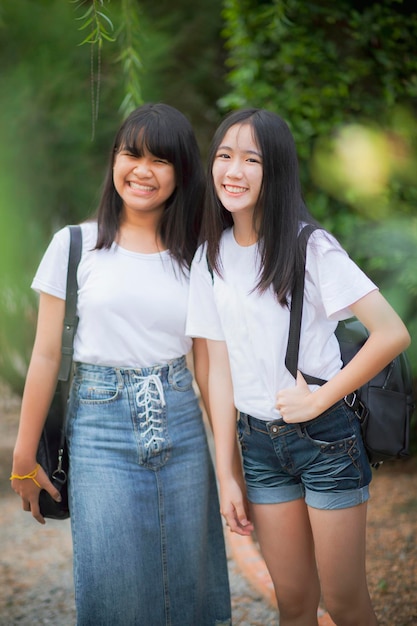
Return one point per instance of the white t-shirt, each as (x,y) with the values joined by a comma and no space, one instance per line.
(255,326)
(132,307)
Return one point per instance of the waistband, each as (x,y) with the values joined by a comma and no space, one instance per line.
(278,426)
(164,371)
(271,427)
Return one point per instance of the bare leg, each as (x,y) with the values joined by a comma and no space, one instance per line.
(286,542)
(340,541)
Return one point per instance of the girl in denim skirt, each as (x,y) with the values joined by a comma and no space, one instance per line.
(306,471)
(146,526)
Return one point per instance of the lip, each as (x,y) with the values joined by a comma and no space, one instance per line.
(140,187)
(235,189)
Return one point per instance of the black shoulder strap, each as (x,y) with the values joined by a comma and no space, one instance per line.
(297,300)
(71,319)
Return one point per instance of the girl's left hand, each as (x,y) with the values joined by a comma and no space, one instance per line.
(295,404)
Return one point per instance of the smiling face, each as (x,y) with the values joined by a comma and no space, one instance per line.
(237,171)
(143,182)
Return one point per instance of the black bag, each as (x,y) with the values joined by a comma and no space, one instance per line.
(52,451)
(385,404)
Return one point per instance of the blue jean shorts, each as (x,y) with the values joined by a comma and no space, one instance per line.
(323,460)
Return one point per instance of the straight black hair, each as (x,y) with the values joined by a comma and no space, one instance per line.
(280,207)
(167,134)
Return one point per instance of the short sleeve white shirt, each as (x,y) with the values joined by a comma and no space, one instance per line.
(132,307)
(255,326)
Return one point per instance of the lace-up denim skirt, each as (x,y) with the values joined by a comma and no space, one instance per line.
(147,534)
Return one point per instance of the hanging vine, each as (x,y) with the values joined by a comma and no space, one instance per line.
(100,29)
(129,56)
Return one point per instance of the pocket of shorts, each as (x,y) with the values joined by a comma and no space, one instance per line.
(332,432)
(182,380)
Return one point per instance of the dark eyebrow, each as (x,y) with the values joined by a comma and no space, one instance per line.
(258,154)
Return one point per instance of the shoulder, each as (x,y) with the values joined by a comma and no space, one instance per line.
(60,242)
(322,242)
(200,261)
(89,233)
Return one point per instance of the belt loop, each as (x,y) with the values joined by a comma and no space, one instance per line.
(119,376)
(173,366)
(244,418)
(300,430)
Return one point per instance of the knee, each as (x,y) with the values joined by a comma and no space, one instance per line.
(298,606)
(351,613)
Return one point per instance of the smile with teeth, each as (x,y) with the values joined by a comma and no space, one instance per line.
(140,187)
(234,189)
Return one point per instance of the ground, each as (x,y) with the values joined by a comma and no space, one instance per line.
(35,561)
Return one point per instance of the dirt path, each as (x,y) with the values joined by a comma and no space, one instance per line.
(36,568)
(36,561)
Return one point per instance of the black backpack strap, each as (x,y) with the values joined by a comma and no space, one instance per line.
(297,301)
(70,319)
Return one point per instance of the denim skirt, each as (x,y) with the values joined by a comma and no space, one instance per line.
(146,528)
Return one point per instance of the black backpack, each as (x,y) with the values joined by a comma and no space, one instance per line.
(385,404)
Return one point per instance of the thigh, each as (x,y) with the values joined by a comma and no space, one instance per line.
(340,540)
(286,542)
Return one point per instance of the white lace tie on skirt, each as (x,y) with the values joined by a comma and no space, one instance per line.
(150,401)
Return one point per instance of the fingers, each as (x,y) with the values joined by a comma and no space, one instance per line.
(46,484)
(32,506)
(237,521)
(29,492)
(294,403)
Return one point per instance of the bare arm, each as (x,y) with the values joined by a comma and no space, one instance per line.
(387,338)
(39,388)
(201,371)
(233,503)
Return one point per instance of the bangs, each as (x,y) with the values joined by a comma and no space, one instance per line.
(153,135)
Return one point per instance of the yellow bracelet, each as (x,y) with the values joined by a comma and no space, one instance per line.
(32,476)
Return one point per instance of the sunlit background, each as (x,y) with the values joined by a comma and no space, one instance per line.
(344,76)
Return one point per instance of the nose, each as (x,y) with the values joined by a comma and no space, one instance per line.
(235,169)
(142,167)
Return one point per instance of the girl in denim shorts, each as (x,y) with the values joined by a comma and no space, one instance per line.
(306,471)
(146,526)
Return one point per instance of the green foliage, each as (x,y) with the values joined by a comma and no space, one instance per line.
(60,59)
(51,171)
(129,57)
(330,68)
(99,27)
(183,55)
(344,76)
(99,24)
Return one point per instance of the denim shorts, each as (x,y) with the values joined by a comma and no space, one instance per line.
(323,460)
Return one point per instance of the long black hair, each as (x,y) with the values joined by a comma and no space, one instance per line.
(280,207)
(166,133)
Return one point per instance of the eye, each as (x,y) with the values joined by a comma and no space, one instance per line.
(222,155)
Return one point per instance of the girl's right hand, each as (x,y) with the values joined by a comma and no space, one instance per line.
(29,490)
(233,507)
